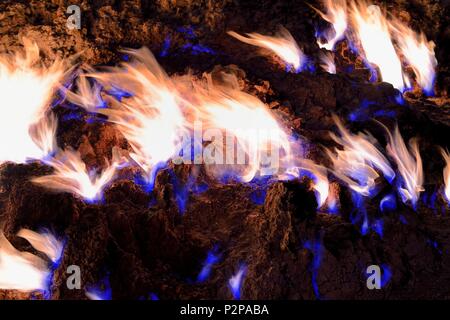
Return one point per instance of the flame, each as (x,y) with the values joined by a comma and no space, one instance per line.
(97,293)
(24,271)
(71,175)
(409,165)
(446,156)
(152,119)
(26,87)
(327,60)
(282,44)
(88,95)
(372,31)
(161,111)
(336,15)
(355,164)
(250,123)
(44,242)
(235,282)
(212,258)
(319,177)
(418,52)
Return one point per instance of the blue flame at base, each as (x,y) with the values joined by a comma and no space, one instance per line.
(388,203)
(211,259)
(235,282)
(102,290)
(147,184)
(386,276)
(316,249)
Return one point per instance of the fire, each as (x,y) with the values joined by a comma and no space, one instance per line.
(319,177)
(24,271)
(71,175)
(44,242)
(235,282)
(246,120)
(101,291)
(336,15)
(27,131)
(409,165)
(419,54)
(446,156)
(372,31)
(381,42)
(355,164)
(282,44)
(327,60)
(161,111)
(88,95)
(152,119)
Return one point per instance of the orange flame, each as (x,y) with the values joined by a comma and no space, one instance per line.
(71,175)
(409,164)
(248,121)
(418,52)
(355,164)
(153,119)
(88,96)
(22,270)
(328,62)
(336,14)
(282,44)
(26,87)
(372,30)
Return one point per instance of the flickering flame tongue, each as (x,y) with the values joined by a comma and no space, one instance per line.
(283,45)
(336,14)
(71,175)
(24,271)
(245,119)
(235,282)
(355,164)
(372,31)
(26,131)
(152,119)
(88,96)
(446,156)
(328,65)
(44,242)
(319,177)
(418,52)
(409,164)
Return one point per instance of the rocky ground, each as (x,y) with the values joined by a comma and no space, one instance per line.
(291,251)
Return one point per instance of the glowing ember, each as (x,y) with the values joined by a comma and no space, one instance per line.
(152,119)
(26,87)
(446,156)
(282,44)
(409,165)
(419,54)
(327,60)
(355,164)
(336,14)
(71,175)
(372,31)
(24,271)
